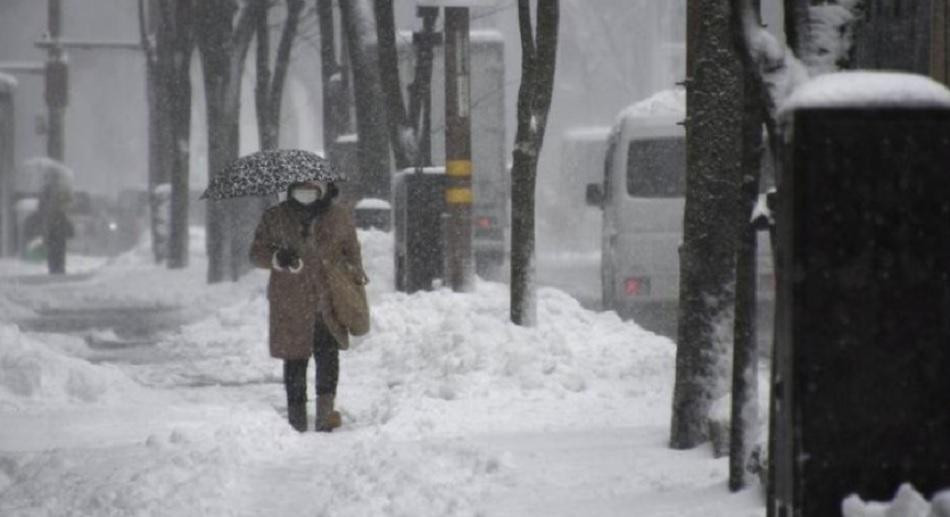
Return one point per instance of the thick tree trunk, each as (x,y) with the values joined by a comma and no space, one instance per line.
(359,26)
(224,33)
(538,58)
(169,44)
(707,257)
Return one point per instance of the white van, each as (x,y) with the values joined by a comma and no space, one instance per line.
(643,198)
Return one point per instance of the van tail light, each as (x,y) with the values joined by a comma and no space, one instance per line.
(484,223)
(636,286)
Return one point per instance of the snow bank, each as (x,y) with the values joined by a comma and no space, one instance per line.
(907,503)
(868,89)
(35,377)
(831,34)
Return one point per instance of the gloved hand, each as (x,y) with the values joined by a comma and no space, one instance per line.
(287,259)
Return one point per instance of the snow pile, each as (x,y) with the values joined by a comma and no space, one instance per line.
(447,345)
(181,471)
(33,376)
(385,478)
(907,503)
(665,103)
(868,89)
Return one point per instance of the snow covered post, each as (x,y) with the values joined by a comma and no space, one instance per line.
(7,88)
(862,388)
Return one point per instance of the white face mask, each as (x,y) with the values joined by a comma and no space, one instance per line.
(307,195)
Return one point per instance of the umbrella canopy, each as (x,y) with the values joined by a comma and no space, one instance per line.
(43,171)
(269,172)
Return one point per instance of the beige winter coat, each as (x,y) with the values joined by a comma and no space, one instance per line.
(298,298)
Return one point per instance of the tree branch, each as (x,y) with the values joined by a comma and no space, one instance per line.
(282,62)
(527,36)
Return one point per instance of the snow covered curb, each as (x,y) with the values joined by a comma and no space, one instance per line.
(34,377)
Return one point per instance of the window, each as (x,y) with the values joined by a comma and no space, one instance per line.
(656,168)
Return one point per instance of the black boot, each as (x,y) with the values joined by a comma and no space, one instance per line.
(297,415)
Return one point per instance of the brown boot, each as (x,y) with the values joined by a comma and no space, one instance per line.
(327,418)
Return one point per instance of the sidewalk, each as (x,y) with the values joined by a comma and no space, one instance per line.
(448,409)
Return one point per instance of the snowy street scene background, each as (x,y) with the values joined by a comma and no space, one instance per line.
(680,258)
(447,408)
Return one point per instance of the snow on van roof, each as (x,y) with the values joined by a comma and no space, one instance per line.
(866,88)
(665,103)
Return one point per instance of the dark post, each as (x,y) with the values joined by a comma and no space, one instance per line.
(7,186)
(862,349)
(940,32)
(458,150)
(57,84)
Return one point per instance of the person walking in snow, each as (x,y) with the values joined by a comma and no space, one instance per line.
(56,227)
(298,240)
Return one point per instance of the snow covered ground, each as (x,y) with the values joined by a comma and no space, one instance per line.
(448,409)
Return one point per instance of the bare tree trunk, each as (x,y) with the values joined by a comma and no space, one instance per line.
(744,411)
(168,48)
(224,31)
(159,128)
(400,132)
(538,59)
(708,254)
(359,26)
(329,66)
(270,86)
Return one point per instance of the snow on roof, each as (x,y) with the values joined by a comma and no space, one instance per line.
(372,203)
(868,89)
(665,103)
(7,82)
(485,36)
(424,170)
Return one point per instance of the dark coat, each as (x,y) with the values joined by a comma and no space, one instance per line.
(297,299)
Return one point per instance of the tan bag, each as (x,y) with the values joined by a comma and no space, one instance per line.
(348,297)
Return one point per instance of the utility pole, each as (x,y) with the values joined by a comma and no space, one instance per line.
(57,83)
(56,73)
(458,150)
(7,89)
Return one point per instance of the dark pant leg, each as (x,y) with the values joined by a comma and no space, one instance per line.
(56,256)
(295,380)
(326,354)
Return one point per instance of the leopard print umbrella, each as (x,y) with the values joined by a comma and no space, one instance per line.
(269,172)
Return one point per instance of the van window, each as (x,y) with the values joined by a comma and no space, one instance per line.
(657,168)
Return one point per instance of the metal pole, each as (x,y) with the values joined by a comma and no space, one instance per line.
(458,150)
(939,55)
(57,80)
(7,185)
